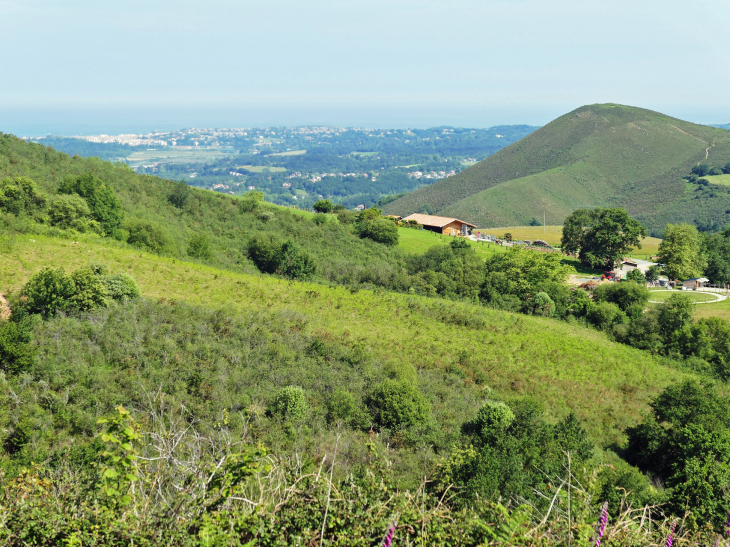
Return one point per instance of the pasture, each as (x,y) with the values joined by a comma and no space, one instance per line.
(419,241)
(719,179)
(174,155)
(662,295)
(262,168)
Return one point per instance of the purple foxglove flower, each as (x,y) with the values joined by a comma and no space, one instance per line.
(671,534)
(602,524)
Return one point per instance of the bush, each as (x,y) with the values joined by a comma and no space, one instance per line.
(605,315)
(323,206)
(72,212)
(293,262)
(343,407)
(179,195)
(105,206)
(542,305)
(320,219)
(19,196)
(121,286)
(48,291)
(397,404)
(715,171)
(346,216)
(624,295)
(199,247)
(636,276)
(379,230)
(701,170)
(290,404)
(89,290)
(149,235)
(16,352)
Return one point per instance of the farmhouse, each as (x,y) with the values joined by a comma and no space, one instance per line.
(442,225)
(695,283)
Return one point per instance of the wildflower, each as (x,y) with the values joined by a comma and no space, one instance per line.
(602,524)
(389,536)
(671,534)
(727,532)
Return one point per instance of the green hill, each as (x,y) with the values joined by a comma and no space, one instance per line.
(598,155)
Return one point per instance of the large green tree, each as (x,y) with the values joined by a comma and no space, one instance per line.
(716,248)
(104,204)
(601,237)
(681,252)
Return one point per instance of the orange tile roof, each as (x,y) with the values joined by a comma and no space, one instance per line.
(430,220)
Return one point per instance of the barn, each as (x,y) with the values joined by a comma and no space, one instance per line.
(442,225)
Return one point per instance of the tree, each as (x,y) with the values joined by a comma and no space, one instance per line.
(716,249)
(601,237)
(379,230)
(652,274)
(48,291)
(681,252)
(180,194)
(323,206)
(199,247)
(701,170)
(19,195)
(72,212)
(105,207)
(636,276)
(149,235)
(624,295)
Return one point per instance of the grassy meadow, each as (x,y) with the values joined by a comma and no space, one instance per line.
(565,367)
(419,241)
(173,154)
(697,297)
(718,179)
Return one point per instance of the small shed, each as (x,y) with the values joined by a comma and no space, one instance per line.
(695,283)
(442,225)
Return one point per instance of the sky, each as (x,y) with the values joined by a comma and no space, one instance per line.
(83,65)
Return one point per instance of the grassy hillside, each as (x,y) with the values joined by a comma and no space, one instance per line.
(566,367)
(597,155)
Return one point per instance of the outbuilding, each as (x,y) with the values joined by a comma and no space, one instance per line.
(442,225)
(695,283)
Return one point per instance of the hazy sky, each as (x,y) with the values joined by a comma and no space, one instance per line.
(358,61)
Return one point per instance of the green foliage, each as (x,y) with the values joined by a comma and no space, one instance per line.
(180,194)
(121,286)
(16,351)
(19,195)
(120,458)
(686,442)
(652,274)
(250,202)
(681,252)
(149,235)
(105,206)
(397,405)
(521,269)
(716,249)
(606,315)
(343,407)
(379,230)
(290,404)
(199,247)
(89,290)
(48,291)
(624,295)
(541,304)
(323,206)
(601,237)
(72,212)
(636,276)
(271,256)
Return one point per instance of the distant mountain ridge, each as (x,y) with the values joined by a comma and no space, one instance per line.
(605,155)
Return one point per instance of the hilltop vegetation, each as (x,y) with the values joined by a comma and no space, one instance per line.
(596,156)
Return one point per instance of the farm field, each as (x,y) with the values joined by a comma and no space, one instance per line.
(719,179)
(262,168)
(171,155)
(552,234)
(566,367)
(289,153)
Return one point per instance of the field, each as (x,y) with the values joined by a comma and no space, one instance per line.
(719,179)
(176,156)
(419,241)
(289,153)
(552,234)
(262,168)
(698,297)
(567,368)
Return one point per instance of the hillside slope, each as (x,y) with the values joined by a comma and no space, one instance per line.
(597,155)
(567,367)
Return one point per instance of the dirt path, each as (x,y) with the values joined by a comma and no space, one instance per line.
(4,308)
(688,134)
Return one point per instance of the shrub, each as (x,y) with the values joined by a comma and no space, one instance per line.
(16,352)
(89,290)
(293,262)
(320,219)
(342,406)
(121,286)
(290,404)
(491,421)
(199,247)
(19,195)
(323,206)
(71,212)
(605,315)
(636,276)
(104,204)
(624,295)
(397,404)
(542,305)
(346,216)
(715,171)
(264,252)
(179,195)
(701,170)
(149,235)
(379,230)
(48,291)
